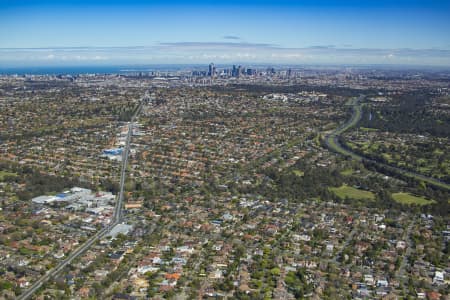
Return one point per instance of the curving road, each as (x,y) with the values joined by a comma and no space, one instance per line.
(332,142)
(117,218)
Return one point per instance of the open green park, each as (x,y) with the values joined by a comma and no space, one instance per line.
(346,191)
(409,199)
(332,143)
(4,174)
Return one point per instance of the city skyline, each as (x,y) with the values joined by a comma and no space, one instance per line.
(51,33)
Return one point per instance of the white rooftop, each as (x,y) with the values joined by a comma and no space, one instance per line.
(120,228)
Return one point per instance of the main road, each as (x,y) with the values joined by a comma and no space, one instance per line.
(116,219)
(400,274)
(332,142)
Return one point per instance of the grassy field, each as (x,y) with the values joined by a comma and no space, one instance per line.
(5,173)
(346,191)
(347,172)
(367,129)
(298,173)
(406,198)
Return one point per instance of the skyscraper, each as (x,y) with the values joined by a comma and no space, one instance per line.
(211,70)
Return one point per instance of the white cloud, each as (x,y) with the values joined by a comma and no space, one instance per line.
(221,52)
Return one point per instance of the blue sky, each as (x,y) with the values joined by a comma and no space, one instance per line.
(286,31)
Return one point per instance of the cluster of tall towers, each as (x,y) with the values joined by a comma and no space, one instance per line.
(238,71)
(234,72)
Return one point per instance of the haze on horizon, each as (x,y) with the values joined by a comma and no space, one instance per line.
(99,32)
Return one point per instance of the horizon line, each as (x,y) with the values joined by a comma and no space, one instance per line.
(242,63)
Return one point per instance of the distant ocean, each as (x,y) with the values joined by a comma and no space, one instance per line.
(73,70)
(133,69)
